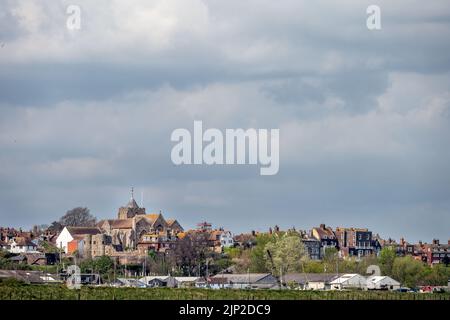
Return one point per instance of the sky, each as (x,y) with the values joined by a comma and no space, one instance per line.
(364,115)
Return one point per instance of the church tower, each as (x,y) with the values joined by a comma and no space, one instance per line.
(131,209)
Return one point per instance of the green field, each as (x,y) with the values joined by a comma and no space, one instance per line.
(59,292)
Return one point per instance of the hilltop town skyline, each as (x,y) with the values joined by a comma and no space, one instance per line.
(245,229)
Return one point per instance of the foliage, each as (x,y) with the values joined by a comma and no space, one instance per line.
(258,253)
(407,271)
(386,260)
(287,254)
(7,264)
(437,275)
(11,282)
(49,247)
(103,265)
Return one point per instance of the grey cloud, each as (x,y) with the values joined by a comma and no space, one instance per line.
(363,116)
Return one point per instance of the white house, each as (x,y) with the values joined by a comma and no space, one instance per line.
(349,281)
(382,283)
(184,282)
(68,234)
(309,281)
(226,239)
(21,245)
(159,281)
(248,280)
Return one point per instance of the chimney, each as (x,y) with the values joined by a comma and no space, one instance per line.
(322,226)
(436,241)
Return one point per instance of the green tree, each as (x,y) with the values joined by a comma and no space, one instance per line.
(258,253)
(386,260)
(437,275)
(288,254)
(407,270)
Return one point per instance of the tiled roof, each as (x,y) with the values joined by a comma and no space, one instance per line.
(121,223)
(83,230)
(20,241)
(152,216)
(325,232)
(309,277)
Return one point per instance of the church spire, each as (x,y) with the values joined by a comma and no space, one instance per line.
(132,203)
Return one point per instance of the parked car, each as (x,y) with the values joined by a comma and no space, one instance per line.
(403,289)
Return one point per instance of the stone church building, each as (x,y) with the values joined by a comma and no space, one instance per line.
(132,223)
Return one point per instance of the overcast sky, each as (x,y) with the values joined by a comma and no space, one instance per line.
(364,116)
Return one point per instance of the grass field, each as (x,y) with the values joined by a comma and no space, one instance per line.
(59,292)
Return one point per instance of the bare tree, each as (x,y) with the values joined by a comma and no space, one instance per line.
(78,217)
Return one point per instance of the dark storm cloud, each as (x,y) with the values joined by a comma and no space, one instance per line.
(363,116)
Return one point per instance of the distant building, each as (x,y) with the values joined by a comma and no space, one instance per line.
(382,283)
(309,281)
(215,239)
(326,237)
(74,238)
(248,280)
(349,281)
(356,242)
(21,245)
(436,252)
(159,281)
(135,229)
(313,247)
(29,276)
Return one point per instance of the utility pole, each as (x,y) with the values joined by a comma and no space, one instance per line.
(337,264)
(114,270)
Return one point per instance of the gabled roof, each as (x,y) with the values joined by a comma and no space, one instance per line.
(170,221)
(132,204)
(243,277)
(376,279)
(21,241)
(150,278)
(187,279)
(345,277)
(309,277)
(153,216)
(121,223)
(117,223)
(83,230)
(328,232)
